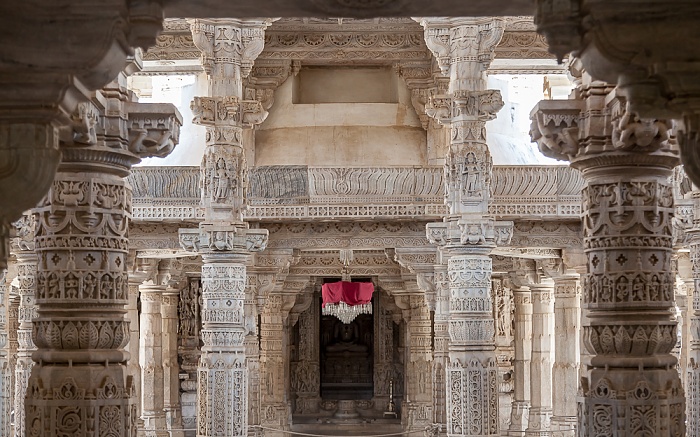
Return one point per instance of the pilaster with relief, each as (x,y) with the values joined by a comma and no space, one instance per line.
(80,380)
(522,298)
(5,370)
(628,290)
(464,49)
(692,369)
(567,348)
(24,248)
(151,348)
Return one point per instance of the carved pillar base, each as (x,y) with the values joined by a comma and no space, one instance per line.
(563,426)
(519,415)
(472,398)
(693,401)
(222,395)
(97,400)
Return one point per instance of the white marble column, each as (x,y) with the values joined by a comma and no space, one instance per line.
(464,50)
(539,422)
(418,407)
(136,278)
(520,411)
(229,48)
(151,352)
(567,350)
(171,369)
(13,327)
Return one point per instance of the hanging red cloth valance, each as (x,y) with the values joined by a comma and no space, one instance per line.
(352,293)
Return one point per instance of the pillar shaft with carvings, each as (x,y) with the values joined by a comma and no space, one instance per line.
(418,407)
(5,370)
(188,350)
(523,356)
(136,278)
(539,422)
(13,327)
(441,342)
(151,351)
(171,369)
(229,48)
(629,386)
(567,351)
(26,312)
(79,383)
(464,50)
(693,344)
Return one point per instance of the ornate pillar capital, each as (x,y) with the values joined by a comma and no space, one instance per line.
(229,41)
(463,47)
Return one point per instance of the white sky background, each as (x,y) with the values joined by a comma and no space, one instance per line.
(508,135)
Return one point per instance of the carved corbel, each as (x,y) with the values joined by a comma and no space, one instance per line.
(154,129)
(437,233)
(555,128)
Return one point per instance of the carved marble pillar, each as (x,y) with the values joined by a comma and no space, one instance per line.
(151,350)
(504,314)
(464,50)
(229,48)
(630,386)
(190,325)
(13,325)
(306,372)
(171,369)
(567,351)
(418,406)
(539,422)
(80,383)
(136,278)
(693,365)
(441,342)
(26,313)
(274,410)
(520,411)
(5,370)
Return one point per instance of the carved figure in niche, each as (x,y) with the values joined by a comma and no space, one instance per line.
(633,131)
(222,180)
(53,287)
(89,287)
(503,316)
(472,176)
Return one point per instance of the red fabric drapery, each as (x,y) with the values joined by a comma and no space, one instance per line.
(352,293)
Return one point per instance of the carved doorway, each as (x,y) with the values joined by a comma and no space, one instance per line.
(347,356)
